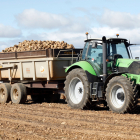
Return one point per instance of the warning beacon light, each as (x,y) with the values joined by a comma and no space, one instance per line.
(87,34)
(117,35)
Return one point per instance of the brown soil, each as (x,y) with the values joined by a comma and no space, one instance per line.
(57,121)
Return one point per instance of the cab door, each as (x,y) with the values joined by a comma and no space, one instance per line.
(95,57)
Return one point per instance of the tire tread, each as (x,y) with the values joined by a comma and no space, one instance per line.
(87,102)
(132,93)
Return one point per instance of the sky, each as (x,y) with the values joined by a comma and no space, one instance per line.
(69,20)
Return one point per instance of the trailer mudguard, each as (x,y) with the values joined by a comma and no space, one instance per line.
(83,65)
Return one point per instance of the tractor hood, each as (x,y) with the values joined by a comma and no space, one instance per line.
(128,65)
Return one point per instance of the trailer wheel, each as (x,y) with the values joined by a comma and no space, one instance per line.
(121,94)
(18,93)
(5,89)
(77,89)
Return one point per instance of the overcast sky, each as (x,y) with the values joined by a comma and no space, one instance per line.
(68,20)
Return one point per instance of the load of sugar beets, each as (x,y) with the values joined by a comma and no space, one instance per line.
(38,45)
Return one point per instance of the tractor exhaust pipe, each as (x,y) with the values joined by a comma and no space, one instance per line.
(104,58)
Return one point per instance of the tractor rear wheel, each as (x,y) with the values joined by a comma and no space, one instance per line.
(121,94)
(77,89)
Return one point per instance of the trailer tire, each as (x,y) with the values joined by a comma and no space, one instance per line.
(77,80)
(18,93)
(5,89)
(121,95)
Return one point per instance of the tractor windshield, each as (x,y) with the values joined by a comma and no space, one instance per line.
(117,48)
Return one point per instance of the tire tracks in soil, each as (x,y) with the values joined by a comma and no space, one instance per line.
(67,129)
(91,124)
(64,114)
(27,114)
(79,122)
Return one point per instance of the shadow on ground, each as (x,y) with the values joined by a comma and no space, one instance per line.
(96,107)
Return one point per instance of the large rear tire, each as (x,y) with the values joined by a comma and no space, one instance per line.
(121,95)
(5,89)
(77,89)
(18,93)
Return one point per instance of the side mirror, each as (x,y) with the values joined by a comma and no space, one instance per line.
(94,45)
(81,51)
(137,58)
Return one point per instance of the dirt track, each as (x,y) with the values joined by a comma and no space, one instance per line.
(51,121)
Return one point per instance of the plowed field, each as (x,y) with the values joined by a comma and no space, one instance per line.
(57,121)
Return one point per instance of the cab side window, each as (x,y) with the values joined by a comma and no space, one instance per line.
(85,50)
(95,54)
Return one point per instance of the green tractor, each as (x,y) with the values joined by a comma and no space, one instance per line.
(104,72)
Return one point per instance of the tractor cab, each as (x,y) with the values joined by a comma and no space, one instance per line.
(115,48)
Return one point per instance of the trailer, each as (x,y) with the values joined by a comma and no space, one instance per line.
(37,73)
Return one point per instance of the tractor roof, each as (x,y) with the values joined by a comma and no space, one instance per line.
(108,39)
